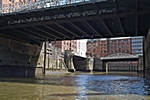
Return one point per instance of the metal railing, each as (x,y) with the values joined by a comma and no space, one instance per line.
(30,5)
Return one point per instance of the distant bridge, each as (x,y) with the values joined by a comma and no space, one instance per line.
(120,57)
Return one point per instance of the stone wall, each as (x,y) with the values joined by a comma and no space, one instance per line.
(79,63)
(18,58)
(24,59)
(83,64)
(97,64)
(147,55)
(147,49)
(54,58)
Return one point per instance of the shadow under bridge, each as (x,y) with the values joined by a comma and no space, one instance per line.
(78,20)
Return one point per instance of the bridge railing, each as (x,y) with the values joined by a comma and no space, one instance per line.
(29,5)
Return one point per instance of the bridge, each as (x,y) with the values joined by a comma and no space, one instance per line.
(49,20)
(120,57)
(107,63)
(24,26)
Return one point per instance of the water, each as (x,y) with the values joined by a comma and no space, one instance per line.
(76,86)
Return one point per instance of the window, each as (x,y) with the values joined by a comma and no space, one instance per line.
(94,44)
(94,50)
(11,0)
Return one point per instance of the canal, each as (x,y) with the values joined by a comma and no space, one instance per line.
(76,86)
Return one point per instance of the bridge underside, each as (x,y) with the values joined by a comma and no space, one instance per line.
(85,20)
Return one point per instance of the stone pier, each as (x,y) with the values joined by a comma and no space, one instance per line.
(89,63)
(19,58)
(69,60)
(146,51)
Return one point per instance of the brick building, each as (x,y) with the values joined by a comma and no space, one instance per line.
(105,47)
(65,45)
(120,45)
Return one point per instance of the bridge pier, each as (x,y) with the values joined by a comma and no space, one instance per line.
(107,67)
(104,66)
(89,63)
(19,58)
(71,64)
(140,64)
(146,55)
(69,60)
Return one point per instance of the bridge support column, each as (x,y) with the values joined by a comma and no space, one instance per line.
(69,60)
(104,66)
(18,58)
(89,63)
(107,67)
(146,55)
(45,52)
(140,64)
(71,64)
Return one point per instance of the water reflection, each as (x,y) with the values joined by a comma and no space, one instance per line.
(81,86)
(77,86)
(118,85)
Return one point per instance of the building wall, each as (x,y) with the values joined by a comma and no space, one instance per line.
(102,48)
(109,46)
(81,47)
(120,46)
(78,46)
(137,45)
(65,45)
(105,47)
